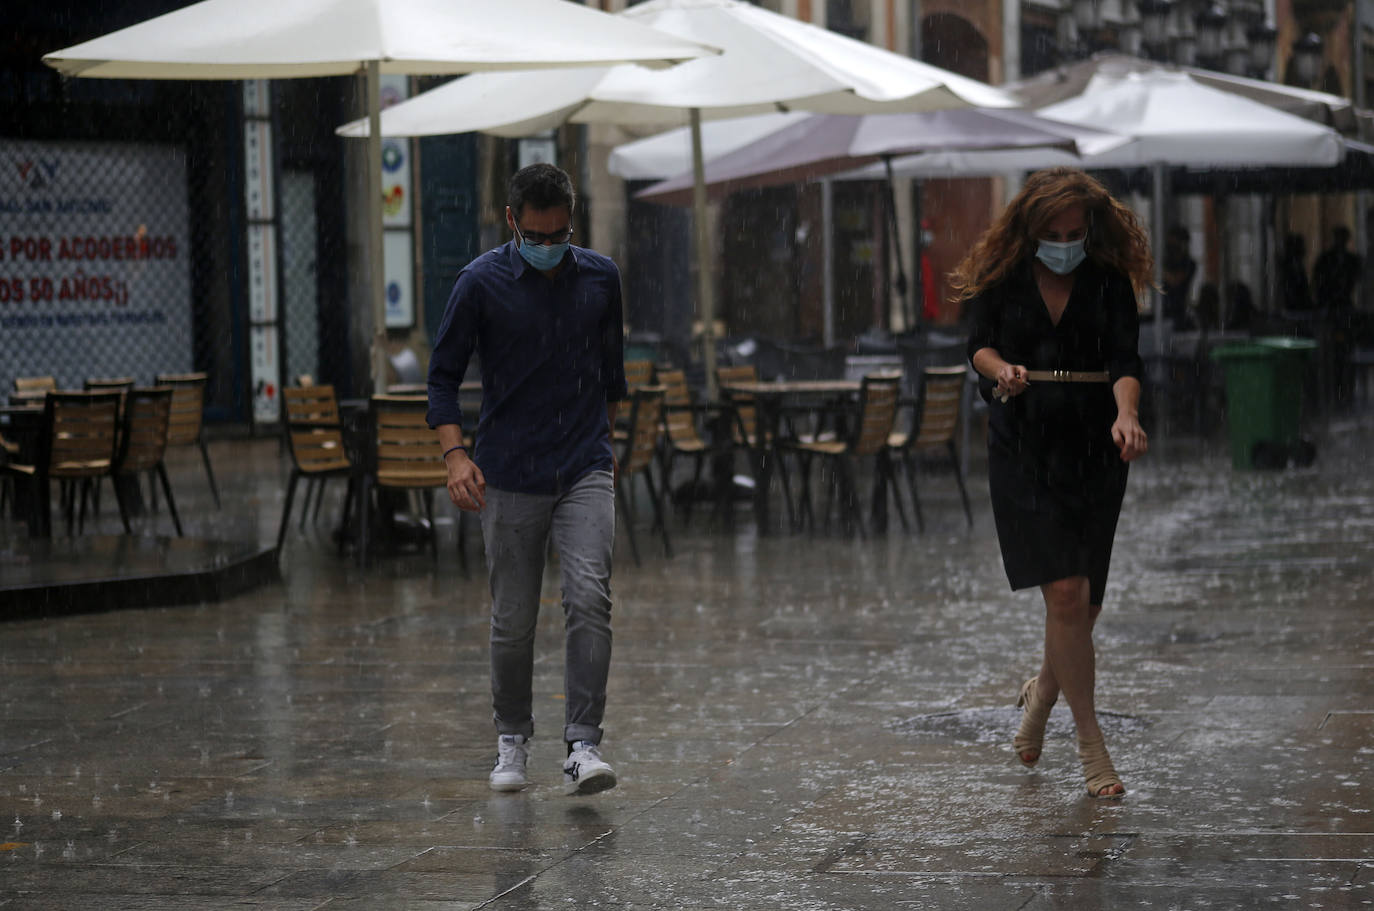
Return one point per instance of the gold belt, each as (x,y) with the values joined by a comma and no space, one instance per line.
(1068,376)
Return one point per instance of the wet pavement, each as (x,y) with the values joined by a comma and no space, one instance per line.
(798,722)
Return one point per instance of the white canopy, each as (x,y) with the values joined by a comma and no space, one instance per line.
(1172,117)
(274,39)
(1068,81)
(769,63)
(975,163)
(1176,120)
(819,145)
(665,154)
(277,39)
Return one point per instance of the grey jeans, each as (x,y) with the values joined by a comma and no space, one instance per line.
(516,528)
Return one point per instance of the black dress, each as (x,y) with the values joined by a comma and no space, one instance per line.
(1056,476)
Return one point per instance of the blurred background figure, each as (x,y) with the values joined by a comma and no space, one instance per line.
(1179,270)
(1207,313)
(1294,292)
(1335,275)
(1240,308)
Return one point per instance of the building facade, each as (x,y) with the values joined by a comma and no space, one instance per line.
(153,227)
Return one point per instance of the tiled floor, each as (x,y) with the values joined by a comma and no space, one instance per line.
(798,722)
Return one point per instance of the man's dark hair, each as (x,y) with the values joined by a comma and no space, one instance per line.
(1341,235)
(540,186)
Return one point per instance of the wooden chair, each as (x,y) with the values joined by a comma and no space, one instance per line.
(31,389)
(637,373)
(405,456)
(315,436)
(682,434)
(108,383)
(80,431)
(120,384)
(186,424)
(41,383)
(646,415)
(313,486)
(934,424)
(745,427)
(142,445)
(867,437)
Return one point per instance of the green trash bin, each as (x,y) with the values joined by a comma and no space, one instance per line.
(1264,387)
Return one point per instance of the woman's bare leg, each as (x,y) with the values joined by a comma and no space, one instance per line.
(1070,661)
(1047,689)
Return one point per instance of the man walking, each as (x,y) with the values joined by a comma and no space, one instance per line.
(544,319)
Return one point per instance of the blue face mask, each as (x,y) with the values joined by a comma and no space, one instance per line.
(1061,258)
(540,256)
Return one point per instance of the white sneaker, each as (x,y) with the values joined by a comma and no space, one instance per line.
(512,750)
(585,772)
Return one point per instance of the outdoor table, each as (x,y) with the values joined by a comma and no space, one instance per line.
(769,400)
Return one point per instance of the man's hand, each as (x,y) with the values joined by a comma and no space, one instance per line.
(467,487)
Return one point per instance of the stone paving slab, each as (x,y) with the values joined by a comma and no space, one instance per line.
(801,722)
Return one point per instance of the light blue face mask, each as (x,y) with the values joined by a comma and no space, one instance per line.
(1062,258)
(540,256)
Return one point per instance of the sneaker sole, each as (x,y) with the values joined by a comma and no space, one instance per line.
(593,783)
(508,786)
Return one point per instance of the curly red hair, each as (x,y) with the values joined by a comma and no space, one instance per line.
(1115,236)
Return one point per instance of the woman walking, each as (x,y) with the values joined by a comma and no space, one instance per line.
(1051,289)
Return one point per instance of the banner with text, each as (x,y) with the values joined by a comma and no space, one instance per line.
(95,276)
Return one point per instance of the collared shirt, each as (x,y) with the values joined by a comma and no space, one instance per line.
(551,355)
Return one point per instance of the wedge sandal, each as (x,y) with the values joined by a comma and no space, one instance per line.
(1030,737)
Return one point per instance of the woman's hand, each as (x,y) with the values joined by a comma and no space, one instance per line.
(1129,436)
(1012,380)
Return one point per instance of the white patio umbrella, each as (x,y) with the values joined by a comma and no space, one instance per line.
(1171,119)
(1069,81)
(276,39)
(1175,120)
(769,63)
(669,153)
(819,145)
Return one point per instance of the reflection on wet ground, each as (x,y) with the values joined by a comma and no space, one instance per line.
(798,722)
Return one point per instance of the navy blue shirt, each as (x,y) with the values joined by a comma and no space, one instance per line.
(551,355)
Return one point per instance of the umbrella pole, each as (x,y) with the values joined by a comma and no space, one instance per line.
(903,289)
(828,262)
(1157,217)
(375,267)
(705,288)
(918,221)
(1223,220)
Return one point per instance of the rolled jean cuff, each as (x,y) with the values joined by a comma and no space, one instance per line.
(523,728)
(575,732)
